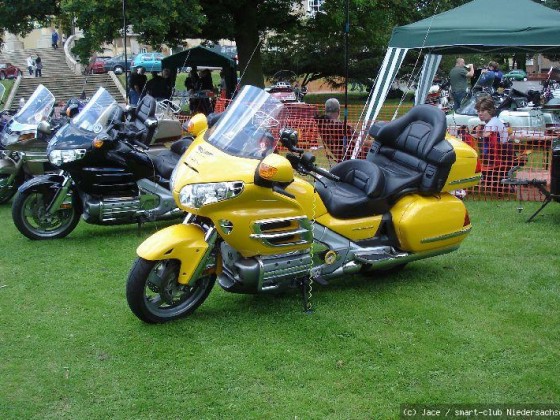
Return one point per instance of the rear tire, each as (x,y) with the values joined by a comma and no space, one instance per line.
(29,212)
(154,295)
(118,70)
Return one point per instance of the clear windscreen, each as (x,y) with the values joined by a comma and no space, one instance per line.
(250,125)
(98,113)
(37,108)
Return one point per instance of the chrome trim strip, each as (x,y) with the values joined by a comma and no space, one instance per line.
(461,232)
(470,179)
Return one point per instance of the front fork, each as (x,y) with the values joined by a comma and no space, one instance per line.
(61,194)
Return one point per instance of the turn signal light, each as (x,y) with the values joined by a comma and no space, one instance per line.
(267,171)
(97,143)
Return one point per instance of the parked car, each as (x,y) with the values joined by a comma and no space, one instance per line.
(516,75)
(9,71)
(96,65)
(117,64)
(150,61)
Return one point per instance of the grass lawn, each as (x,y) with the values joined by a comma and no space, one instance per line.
(476,326)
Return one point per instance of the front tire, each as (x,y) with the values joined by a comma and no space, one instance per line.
(118,70)
(154,295)
(29,212)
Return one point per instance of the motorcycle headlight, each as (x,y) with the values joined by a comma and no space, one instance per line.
(197,195)
(58,157)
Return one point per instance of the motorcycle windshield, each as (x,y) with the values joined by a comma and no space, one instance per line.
(37,108)
(485,81)
(98,113)
(250,125)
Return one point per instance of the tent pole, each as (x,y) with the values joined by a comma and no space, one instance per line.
(125,57)
(346,33)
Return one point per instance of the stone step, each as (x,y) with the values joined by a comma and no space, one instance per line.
(66,87)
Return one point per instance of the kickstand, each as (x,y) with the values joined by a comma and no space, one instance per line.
(306,288)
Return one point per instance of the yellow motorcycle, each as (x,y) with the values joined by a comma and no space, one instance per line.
(257,228)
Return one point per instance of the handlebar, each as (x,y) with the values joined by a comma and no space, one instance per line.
(305,164)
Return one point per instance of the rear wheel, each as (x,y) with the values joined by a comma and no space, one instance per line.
(118,69)
(154,295)
(29,212)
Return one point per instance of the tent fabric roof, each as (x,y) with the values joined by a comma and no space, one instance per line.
(197,56)
(204,57)
(484,26)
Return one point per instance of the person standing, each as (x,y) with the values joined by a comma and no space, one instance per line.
(334,134)
(38,67)
(137,82)
(458,80)
(54,39)
(30,65)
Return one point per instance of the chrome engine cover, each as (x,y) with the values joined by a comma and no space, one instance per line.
(153,203)
(263,273)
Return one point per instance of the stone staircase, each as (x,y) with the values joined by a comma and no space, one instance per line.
(57,77)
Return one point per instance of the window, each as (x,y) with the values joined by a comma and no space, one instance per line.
(314,6)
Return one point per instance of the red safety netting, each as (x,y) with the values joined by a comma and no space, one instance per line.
(527,155)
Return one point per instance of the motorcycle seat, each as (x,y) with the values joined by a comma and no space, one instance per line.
(166,161)
(357,194)
(136,127)
(409,155)
(412,152)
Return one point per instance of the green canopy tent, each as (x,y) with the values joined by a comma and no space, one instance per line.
(204,57)
(485,26)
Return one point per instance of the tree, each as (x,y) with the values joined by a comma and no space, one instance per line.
(168,22)
(315,49)
(19,17)
(247,22)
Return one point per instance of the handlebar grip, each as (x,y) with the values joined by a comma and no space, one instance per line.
(325,174)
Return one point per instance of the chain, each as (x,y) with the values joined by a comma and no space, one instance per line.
(308,307)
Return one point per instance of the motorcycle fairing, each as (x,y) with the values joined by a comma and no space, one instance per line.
(185,243)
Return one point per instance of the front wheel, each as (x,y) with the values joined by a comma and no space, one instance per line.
(118,70)
(29,212)
(154,295)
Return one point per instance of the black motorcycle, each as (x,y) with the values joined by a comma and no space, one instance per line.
(106,174)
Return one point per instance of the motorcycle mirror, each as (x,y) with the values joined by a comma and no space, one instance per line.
(197,124)
(151,123)
(44,127)
(289,139)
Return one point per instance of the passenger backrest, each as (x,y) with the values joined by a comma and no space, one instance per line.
(145,109)
(416,142)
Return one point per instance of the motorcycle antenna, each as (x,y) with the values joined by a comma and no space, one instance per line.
(125,57)
(346,35)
